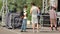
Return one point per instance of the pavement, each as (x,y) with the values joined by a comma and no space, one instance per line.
(42,30)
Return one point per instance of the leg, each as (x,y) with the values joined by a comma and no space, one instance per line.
(22,28)
(33,26)
(25,23)
(37,27)
(55,24)
(51,21)
(38,19)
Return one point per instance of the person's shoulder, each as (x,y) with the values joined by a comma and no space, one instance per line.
(35,6)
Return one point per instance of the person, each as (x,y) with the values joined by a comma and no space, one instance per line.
(53,17)
(33,11)
(38,15)
(23,28)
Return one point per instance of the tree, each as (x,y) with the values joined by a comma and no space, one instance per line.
(0,4)
(38,3)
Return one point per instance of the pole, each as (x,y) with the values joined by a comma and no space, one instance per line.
(3,14)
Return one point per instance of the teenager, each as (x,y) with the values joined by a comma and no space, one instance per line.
(24,23)
(33,11)
(53,18)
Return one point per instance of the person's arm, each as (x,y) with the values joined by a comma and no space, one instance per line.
(55,14)
(30,11)
(38,10)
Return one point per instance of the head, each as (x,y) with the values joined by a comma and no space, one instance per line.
(25,6)
(39,7)
(53,8)
(33,4)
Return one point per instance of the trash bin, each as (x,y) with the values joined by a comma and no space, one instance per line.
(16,21)
(46,19)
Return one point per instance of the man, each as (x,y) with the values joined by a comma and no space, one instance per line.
(33,11)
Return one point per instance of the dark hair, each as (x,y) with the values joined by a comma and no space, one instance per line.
(33,3)
(53,8)
(25,6)
(39,7)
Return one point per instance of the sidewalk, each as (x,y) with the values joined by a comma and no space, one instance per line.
(44,30)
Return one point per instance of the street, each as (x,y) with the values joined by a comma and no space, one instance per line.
(43,30)
(28,14)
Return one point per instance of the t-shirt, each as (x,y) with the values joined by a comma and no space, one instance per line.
(34,10)
(25,13)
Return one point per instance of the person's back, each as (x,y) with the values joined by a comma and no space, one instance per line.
(52,14)
(53,18)
(34,10)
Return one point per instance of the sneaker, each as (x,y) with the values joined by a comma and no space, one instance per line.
(55,28)
(21,30)
(25,31)
(52,28)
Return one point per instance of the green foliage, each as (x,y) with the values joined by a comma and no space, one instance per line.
(38,3)
(21,3)
(28,12)
(0,4)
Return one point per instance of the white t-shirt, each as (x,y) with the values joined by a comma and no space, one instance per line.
(34,10)
(25,13)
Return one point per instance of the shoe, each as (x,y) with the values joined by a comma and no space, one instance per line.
(25,31)
(52,28)
(21,30)
(55,28)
